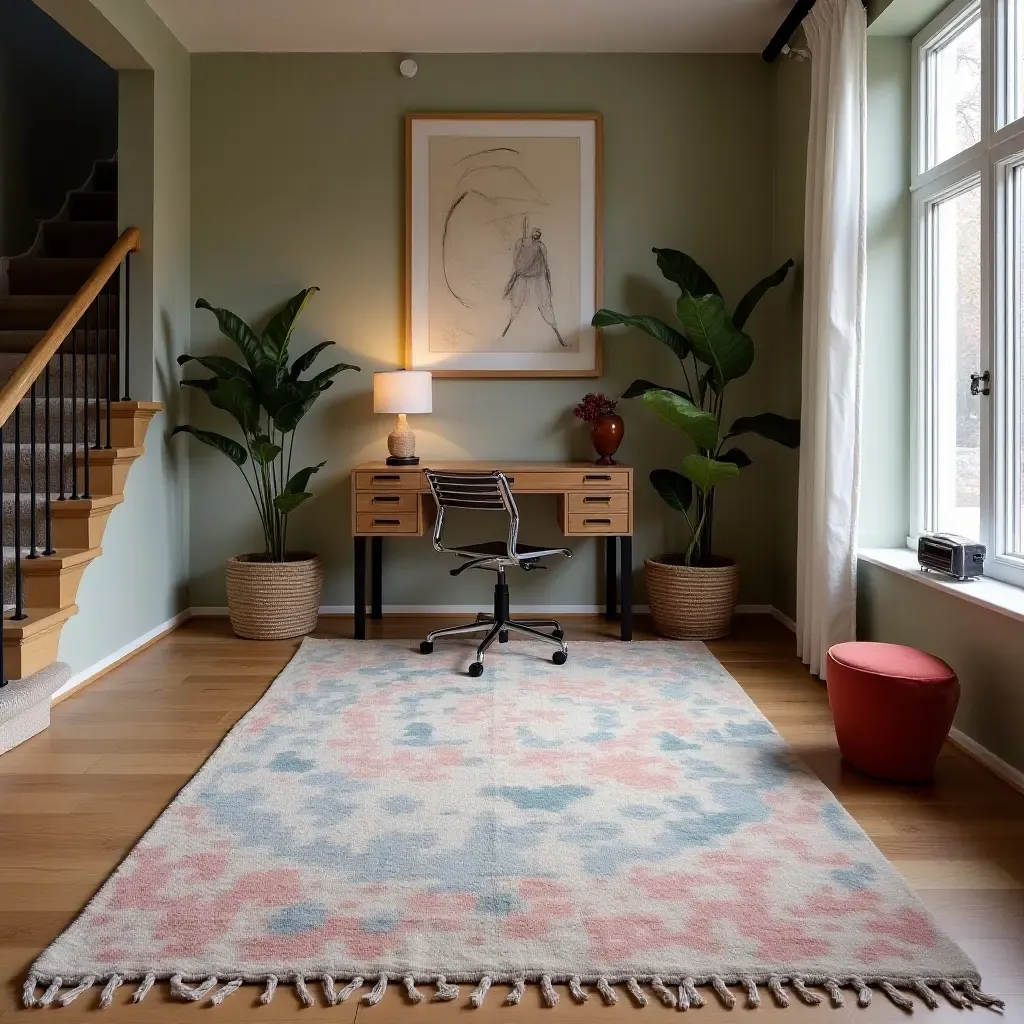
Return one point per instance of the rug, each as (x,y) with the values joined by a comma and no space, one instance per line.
(626,825)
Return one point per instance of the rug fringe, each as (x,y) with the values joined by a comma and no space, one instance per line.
(683,994)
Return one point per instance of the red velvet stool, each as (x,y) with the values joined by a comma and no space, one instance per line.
(892,707)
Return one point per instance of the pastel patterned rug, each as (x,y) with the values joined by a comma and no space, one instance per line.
(626,823)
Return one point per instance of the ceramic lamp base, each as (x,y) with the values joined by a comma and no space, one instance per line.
(402,444)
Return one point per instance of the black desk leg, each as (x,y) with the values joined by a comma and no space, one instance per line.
(610,595)
(626,587)
(376,576)
(359,587)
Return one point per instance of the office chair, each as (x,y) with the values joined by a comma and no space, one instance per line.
(490,492)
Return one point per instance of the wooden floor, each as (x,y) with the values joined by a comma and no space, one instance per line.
(74,800)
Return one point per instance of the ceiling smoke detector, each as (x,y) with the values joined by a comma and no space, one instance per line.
(408,68)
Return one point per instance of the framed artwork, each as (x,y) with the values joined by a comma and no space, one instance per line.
(503,244)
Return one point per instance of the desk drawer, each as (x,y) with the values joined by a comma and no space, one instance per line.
(387,522)
(597,522)
(548,483)
(599,504)
(384,504)
(410,480)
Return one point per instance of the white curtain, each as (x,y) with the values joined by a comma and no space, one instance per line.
(833,329)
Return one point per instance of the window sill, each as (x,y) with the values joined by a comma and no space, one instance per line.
(1003,598)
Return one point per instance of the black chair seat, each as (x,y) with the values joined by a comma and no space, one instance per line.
(499,547)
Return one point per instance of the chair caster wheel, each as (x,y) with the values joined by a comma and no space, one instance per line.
(559,657)
(476,669)
(426,647)
(503,637)
(558,634)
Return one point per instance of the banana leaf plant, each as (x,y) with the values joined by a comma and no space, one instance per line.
(712,350)
(267,398)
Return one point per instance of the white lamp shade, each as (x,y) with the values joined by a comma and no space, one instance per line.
(403,391)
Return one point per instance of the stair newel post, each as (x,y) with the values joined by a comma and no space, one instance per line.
(19,599)
(127,344)
(33,453)
(74,413)
(85,408)
(47,518)
(112,296)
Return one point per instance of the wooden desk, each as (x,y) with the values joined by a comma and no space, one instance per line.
(395,501)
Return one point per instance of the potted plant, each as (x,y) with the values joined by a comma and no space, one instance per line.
(606,426)
(693,593)
(274,593)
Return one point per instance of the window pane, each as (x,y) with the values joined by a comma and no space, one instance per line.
(1015,392)
(956,337)
(1012,39)
(954,93)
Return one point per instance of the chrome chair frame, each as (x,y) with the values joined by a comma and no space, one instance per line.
(490,492)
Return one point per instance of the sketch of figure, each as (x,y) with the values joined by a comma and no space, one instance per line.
(531,280)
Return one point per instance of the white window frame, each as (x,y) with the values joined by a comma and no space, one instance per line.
(991,163)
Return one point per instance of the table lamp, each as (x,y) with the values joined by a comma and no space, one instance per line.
(403,392)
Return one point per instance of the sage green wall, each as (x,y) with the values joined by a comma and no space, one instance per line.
(297,178)
(792,114)
(140,582)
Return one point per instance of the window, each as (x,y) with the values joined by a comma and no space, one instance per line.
(968,257)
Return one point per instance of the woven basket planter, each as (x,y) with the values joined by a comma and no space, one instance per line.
(274,600)
(691,602)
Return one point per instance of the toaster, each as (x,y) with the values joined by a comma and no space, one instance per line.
(954,556)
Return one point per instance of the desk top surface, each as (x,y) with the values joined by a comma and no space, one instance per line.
(479,466)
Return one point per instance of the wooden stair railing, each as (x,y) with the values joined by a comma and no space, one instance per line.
(67,442)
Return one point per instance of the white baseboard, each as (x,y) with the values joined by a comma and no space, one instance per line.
(101,666)
(783,618)
(972,748)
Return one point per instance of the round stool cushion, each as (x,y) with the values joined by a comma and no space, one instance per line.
(892,707)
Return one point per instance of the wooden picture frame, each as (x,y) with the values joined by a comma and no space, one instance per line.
(503,244)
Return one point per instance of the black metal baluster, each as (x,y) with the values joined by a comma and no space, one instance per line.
(85,406)
(3,597)
(127,325)
(19,602)
(60,416)
(33,453)
(110,298)
(102,298)
(74,412)
(47,515)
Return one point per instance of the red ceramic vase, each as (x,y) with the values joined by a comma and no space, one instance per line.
(606,433)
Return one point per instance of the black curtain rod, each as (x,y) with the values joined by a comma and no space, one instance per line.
(785,31)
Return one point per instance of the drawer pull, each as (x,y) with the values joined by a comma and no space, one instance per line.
(386,477)
(387,522)
(596,499)
(510,479)
(597,522)
(596,477)
(385,499)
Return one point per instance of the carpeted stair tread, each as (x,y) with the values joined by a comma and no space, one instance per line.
(44,275)
(93,205)
(25,704)
(78,237)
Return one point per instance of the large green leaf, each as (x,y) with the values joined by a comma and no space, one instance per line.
(737,456)
(675,490)
(754,296)
(686,272)
(300,481)
(278,331)
(234,396)
(247,340)
(707,473)
(220,366)
(306,360)
(230,447)
(289,501)
(324,376)
(264,451)
(714,338)
(780,429)
(701,427)
(641,387)
(648,324)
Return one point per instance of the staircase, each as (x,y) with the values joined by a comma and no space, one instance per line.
(68,440)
